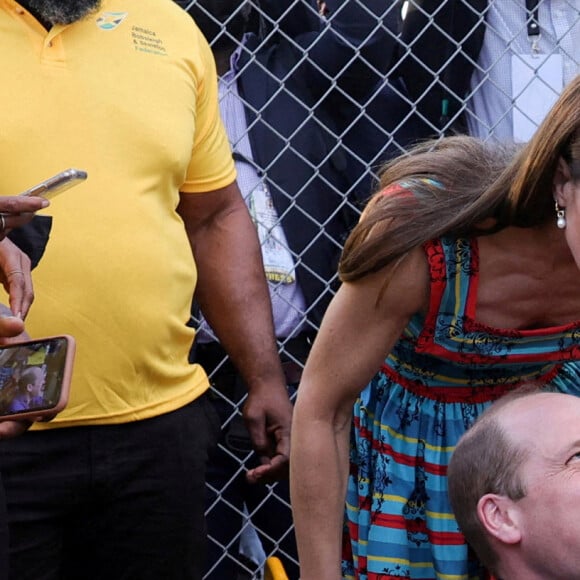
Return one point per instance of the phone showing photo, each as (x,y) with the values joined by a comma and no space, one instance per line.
(35,377)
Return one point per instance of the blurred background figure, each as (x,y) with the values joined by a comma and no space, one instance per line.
(487,67)
(308,114)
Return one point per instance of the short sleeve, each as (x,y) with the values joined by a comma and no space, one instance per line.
(211,166)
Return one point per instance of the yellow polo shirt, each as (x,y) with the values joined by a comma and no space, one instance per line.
(129,95)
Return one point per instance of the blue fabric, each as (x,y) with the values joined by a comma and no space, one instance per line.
(445,370)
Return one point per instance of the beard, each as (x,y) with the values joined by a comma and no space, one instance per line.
(63,11)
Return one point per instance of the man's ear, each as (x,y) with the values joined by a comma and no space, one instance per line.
(499,516)
(561,178)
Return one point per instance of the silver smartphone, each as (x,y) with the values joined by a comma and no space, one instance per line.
(57,183)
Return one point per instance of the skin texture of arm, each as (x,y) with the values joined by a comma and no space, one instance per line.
(355,337)
(233,295)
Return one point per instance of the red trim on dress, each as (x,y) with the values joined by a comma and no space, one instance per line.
(451,394)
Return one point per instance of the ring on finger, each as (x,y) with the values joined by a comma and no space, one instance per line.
(2,223)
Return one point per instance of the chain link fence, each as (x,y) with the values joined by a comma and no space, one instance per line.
(392,73)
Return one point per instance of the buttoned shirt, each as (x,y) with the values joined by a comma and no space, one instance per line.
(491,102)
(288,303)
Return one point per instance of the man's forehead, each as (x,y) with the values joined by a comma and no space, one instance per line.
(542,418)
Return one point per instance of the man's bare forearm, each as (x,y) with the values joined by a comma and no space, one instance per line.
(233,295)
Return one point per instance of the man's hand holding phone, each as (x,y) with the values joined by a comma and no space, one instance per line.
(35,380)
(19,209)
(16,211)
(56,356)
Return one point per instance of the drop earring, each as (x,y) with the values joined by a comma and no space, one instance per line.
(560,217)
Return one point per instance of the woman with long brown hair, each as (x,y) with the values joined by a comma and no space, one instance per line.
(460,281)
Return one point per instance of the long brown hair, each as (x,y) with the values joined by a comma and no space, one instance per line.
(472,188)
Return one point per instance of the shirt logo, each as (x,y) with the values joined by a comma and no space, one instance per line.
(110,20)
(146,40)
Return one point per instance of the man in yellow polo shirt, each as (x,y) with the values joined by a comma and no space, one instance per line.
(126,90)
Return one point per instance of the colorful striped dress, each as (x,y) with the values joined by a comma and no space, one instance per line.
(443,372)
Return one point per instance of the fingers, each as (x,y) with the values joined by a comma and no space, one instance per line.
(46,418)
(272,445)
(9,222)
(9,429)
(15,266)
(10,327)
(273,448)
(21,294)
(268,416)
(15,204)
(15,211)
(257,429)
(274,469)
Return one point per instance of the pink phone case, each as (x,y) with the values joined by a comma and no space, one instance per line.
(35,377)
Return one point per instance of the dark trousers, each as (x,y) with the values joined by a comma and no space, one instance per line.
(228,492)
(3,535)
(110,502)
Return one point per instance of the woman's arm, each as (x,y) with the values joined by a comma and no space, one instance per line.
(355,337)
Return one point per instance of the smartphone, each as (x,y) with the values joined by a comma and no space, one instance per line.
(35,377)
(57,183)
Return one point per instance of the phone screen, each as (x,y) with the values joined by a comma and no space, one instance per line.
(34,376)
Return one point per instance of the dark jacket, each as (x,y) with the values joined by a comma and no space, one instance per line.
(303,93)
(440,45)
